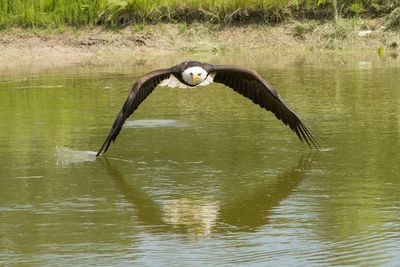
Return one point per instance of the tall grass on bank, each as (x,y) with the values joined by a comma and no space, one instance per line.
(59,13)
(50,13)
(393,20)
(230,11)
(215,11)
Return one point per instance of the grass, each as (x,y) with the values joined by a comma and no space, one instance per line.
(80,13)
(393,20)
(50,13)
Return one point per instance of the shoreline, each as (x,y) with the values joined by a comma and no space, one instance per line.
(95,45)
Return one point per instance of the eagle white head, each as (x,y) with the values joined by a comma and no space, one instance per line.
(194,75)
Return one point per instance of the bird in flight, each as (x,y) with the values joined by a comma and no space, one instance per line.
(246,82)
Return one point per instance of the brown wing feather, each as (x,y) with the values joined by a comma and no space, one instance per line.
(251,85)
(141,89)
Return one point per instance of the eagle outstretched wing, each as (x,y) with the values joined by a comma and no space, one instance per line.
(251,85)
(141,89)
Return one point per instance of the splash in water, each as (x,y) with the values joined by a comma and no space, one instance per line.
(67,156)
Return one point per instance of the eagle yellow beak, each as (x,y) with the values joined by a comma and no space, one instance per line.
(195,78)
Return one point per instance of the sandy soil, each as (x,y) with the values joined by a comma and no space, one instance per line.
(18,46)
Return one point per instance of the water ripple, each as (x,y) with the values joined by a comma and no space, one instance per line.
(153,123)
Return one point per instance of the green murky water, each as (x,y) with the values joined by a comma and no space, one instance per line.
(201,176)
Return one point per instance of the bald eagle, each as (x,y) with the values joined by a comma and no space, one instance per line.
(246,82)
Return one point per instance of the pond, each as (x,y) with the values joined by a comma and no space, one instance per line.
(201,176)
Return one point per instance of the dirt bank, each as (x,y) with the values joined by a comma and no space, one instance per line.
(19,46)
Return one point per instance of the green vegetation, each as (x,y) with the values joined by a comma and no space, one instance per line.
(393,20)
(60,13)
(49,13)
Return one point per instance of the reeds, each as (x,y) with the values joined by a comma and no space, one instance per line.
(60,13)
(50,13)
(393,20)
(216,11)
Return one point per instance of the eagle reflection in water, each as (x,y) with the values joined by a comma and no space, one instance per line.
(200,217)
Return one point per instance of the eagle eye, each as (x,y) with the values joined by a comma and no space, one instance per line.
(199,74)
(191,74)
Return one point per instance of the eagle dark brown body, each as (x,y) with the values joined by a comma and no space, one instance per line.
(244,81)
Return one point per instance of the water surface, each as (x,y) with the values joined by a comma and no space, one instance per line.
(202,176)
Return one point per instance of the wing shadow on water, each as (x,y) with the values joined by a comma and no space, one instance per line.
(147,210)
(253,211)
(247,214)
